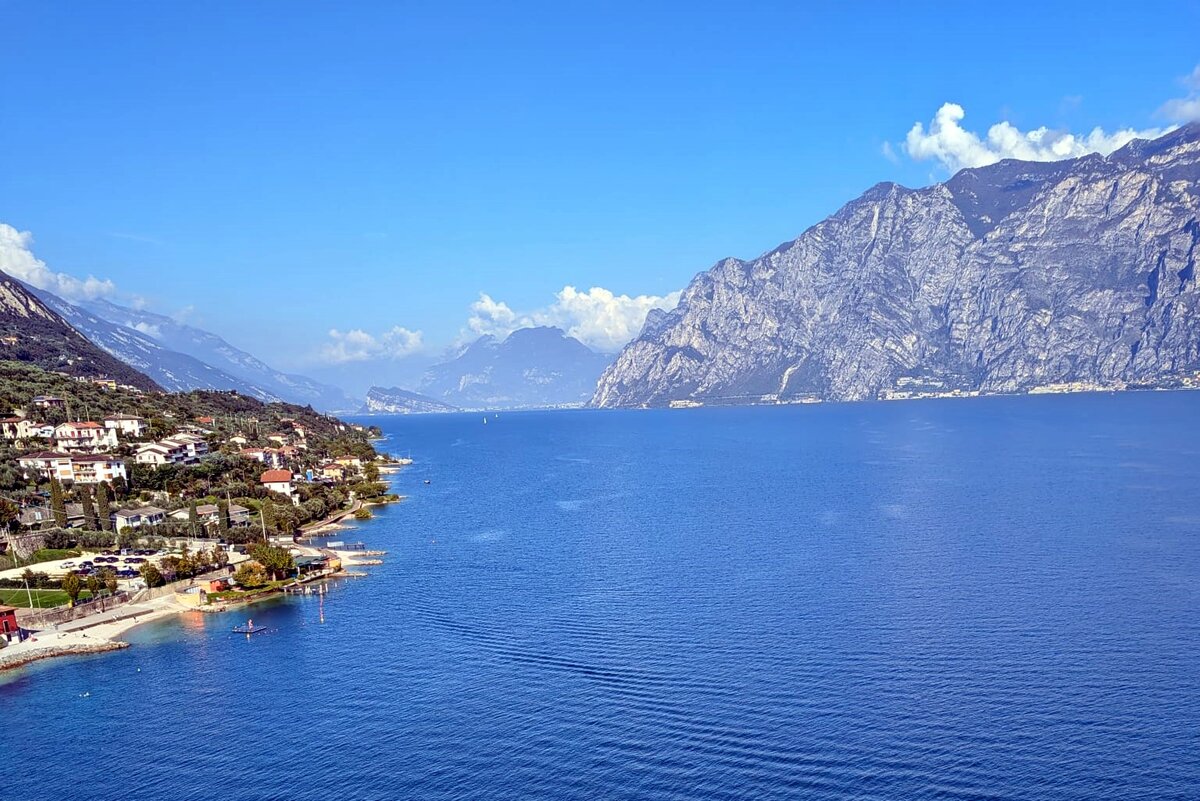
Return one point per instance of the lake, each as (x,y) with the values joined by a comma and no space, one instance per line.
(988,598)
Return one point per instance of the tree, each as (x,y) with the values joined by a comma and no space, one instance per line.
(10,514)
(120,487)
(103,510)
(151,575)
(268,514)
(57,504)
(72,586)
(90,521)
(371,471)
(94,584)
(110,581)
(250,574)
(193,519)
(223,518)
(276,561)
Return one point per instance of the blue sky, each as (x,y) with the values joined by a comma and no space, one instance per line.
(277,170)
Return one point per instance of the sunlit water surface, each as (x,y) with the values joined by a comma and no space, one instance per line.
(993,598)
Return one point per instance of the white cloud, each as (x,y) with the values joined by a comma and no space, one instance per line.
(1186,108)
(955,147)
(356,345)
(18,260)
(149,329)
(598,318)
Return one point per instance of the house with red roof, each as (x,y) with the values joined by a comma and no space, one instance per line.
(277,481)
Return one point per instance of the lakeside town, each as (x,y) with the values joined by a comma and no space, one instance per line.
(120,506)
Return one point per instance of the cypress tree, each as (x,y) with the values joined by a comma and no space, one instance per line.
(223,517)
(89,509)
(193,517)
(57,505)
(268,514)
(102,508)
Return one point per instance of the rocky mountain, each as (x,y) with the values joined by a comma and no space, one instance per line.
(175,372)
(1007,278)
(32,332)
(214,351)
(532,367)
(395,400)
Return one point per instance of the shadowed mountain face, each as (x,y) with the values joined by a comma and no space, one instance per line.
(1003,279)
(249,373)
(532,367)
(32,332)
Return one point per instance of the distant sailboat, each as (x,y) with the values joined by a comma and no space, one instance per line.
(485,421)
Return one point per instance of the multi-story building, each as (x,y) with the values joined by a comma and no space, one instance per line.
(87,436)
(128,424)
(79,468)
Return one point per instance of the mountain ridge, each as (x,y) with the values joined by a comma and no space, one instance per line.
(1004,278)
(535,367)
(213,351)
(32,332)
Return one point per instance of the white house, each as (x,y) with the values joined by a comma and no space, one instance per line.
(87,436)
(136,518)
(158,453)
(49,464)
(127,424)
(80,468)
(179,449)
(23,428)
(96,469)
(209,513)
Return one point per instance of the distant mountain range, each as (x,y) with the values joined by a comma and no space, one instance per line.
(1009,278)
(32,332)
(395,400)
(531,368)
(180,357)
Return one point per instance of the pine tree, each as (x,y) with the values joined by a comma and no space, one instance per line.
(102,508)
(88,503)
(57,505)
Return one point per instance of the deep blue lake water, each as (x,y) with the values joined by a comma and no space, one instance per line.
(994,598)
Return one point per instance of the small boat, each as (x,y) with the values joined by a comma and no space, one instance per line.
(249,628)
(427,481)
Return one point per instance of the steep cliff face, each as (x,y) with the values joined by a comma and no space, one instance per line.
(1003,279)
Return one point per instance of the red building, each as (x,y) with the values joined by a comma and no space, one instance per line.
(8,623)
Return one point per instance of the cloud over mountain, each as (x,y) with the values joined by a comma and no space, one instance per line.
(597,317)
(1186,108)
(357,345)
(955,147)
(17,259)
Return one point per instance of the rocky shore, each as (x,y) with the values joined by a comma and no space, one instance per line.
(25,656)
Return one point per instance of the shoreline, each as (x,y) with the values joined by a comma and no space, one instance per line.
(103,636)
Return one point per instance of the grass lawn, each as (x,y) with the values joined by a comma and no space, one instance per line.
(42,599)
(52,554)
